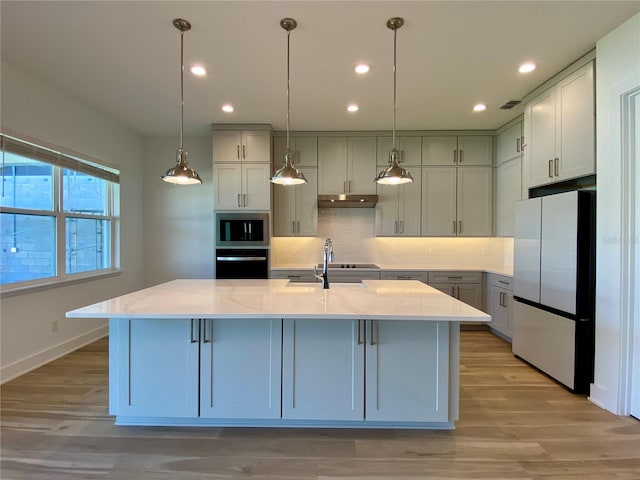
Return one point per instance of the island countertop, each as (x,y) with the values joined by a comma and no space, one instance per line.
(211,299)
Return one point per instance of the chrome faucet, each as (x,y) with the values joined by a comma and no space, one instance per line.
(327,256)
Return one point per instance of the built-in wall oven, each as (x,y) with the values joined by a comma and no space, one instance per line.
(242,245)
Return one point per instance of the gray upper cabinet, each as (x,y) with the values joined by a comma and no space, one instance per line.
(346,165)
(410,150)
(230,146)
(305,150)
(464,150)
(510,143)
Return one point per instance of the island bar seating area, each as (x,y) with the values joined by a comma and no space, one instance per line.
(514,423)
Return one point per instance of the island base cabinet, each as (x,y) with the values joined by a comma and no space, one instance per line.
(154,367)
(240,368)
(407,371)
(323,369)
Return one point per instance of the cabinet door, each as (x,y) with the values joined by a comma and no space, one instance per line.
(322,370)
(157,365)
(284,210)
(306,204)
(361,165)
(496,308)
(475,150)
(409,204)
(510,143)
(575,145)
(305,151)
(226,146)
(405,361)
(470,293)
(410,150)
(387,210)
(256,186)
(439,150)
(509,191)
(256,146)
(439,201)
(227,186)
(474,201)
(240,368)
(332,165)
(540,121)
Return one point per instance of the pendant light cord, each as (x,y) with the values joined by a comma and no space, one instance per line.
(288,89)
(181,89)
(395,34)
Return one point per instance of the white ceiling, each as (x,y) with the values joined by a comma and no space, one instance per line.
(123,58)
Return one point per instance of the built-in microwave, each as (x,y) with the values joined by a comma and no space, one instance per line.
(242,229)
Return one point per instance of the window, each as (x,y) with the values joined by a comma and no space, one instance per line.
(59,216)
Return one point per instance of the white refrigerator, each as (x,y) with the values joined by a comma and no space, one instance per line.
(554,286)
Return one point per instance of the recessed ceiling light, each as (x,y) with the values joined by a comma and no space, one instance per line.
(527,67)
(479,107)
(362,68)
(353,108)
(227,108)
(198,70)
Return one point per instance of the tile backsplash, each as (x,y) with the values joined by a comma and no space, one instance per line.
(352,232)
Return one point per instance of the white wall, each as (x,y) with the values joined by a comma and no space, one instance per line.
(32,108)
(617,72)
(178,223)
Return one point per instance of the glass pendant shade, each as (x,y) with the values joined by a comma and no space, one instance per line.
(181,174)
(288,174)
(394,174)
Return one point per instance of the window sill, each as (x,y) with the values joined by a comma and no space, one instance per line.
(7,291)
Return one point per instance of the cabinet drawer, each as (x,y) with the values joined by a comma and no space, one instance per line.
(500,281)
(404,275)
(455,277)
(295,275)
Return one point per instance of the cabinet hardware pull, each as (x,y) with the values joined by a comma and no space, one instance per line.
(349,185)
(454,278)
(401,226)
(551,168)
(395,226)
(401,156)
(460,156)
(204,331)
(517,145)
(192,339)
(371,341)
(455,156)
(359,332)
(459,226)
(244,152)
(556,162)
(293,226)
(503,282)
(238,152)
(500,301)
(239,205)
(454,226)
(522,144)
(344,186)
(244,196)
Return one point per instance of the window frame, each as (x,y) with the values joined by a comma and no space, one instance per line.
(112,215)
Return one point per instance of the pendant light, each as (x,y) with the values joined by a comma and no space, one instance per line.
(181,174)
(288,174)
(394,174)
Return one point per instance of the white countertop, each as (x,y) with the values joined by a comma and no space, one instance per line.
(506,270)
(371,300)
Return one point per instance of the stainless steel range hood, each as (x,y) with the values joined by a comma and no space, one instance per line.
(347,200)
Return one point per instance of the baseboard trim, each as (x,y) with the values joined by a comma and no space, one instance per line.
(25,365)
(598,395)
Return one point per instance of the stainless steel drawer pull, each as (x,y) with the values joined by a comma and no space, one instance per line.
(460,156)
(517,145)
(193,340)
(360,342)
(455,278)
(241,259)
(503,282)
(455,156)
(551,168)
(556,166)
(238,152)
(244,151)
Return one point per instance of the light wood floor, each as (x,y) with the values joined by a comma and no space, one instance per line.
(515,423)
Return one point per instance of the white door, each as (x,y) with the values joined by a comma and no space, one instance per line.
(510,143)
(526,249)
(226,146)
(575,144)
(559,251)
(361,167)
(439,201)
(410,150)
(284,210)
(256,146)
(387,210)
(306,149)
(227,186)
(475,150)
(409,204)
(332,165)
(404,362)
(509,191)
(439,150)
(474,201)
(157,367)
(240,368)
(306,204)
(540,123)
(256,186)
(323,370)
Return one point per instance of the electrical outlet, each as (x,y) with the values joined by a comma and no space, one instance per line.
(54,326)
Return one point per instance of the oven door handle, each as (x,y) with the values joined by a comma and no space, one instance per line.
(241,259)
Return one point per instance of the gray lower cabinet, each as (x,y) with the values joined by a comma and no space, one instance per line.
(465,286)
(404,275)
(500,304)
(365,370)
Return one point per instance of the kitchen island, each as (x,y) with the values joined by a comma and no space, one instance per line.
(381,354)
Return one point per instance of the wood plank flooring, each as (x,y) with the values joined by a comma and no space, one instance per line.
(515,423)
